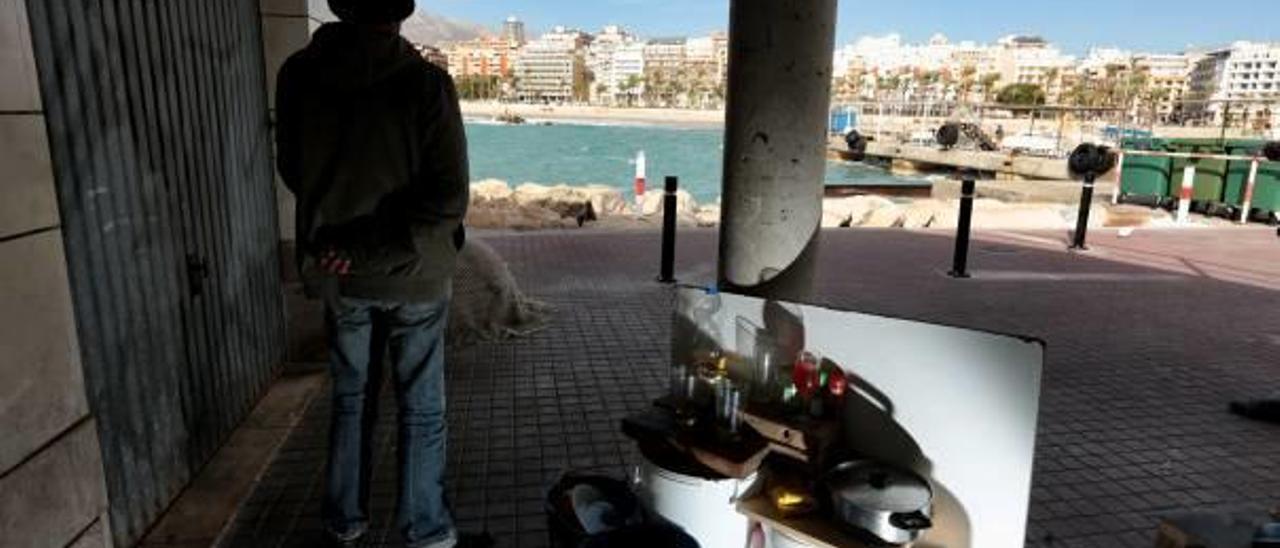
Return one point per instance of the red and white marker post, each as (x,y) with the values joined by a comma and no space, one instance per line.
(640,176)
(1115,194)
(1184,197)
(1248,190)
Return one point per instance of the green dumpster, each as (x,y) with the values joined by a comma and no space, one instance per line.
(1266,192)
(1210,179)
(1237,174)
(1145,178)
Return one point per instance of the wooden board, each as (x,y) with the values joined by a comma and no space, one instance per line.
(736,459)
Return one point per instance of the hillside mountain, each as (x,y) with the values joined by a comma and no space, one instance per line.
(421,28)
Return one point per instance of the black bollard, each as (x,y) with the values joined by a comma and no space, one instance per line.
(669,231)
(1088,162)
(960,264)
(1082,220)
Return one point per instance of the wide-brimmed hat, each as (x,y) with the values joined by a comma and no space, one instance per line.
(372,12)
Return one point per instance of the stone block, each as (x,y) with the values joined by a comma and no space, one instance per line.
(297,8)
(54,496)
(97,535)
(20,89)
(30,202)
(41,381)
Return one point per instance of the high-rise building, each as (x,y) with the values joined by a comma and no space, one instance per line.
(1238,84)
(487,56)
(552,68)
(1167,79)
(513,31)
(433,55)
(706,63)
(664,63)
(1032,60)
(607,69)
(1207,73)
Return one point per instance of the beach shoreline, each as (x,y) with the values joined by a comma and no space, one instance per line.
(677,118)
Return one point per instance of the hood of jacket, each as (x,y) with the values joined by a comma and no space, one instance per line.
(358,57)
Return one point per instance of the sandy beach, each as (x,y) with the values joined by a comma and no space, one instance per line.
(594,114)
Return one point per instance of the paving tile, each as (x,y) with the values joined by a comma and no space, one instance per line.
(1132,420)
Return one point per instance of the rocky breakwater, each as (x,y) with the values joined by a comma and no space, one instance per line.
(989,214)
(530,206)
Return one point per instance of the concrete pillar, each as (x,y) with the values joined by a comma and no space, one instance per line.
(780,63)
(286,28)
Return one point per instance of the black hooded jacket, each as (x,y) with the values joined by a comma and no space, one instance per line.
(370,139)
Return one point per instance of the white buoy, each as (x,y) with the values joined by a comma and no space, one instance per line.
(640,176)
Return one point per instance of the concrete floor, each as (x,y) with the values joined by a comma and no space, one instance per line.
(1148,339)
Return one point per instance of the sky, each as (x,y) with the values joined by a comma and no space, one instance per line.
(1075,25)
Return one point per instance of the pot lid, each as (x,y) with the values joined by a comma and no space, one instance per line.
(881,488)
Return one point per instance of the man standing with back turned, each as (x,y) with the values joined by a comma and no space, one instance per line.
(371,141)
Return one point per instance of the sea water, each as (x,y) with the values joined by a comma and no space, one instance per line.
(583,154)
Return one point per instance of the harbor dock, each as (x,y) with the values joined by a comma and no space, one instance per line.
(1003,165)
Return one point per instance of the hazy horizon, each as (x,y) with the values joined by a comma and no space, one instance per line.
(1175,26)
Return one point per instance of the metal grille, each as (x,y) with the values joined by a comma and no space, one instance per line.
(158,124)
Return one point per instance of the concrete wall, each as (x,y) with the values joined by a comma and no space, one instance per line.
(286,28)
(51,485)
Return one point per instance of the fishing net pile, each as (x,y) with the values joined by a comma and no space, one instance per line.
(487,302)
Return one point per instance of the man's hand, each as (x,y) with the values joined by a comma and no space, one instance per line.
(335,263)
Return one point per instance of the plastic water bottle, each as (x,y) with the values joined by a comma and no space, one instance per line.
(706,316)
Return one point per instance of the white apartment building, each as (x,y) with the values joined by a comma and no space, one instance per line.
(975,58)
(551,68)
(707,63)
(665,53)
(1100,59)
(1252,72)
(602,62)
(1032,60)
(664,64)
(1247,72)
(712,50)
(625,79)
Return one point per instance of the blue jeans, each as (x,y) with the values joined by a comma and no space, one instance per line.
(360,333)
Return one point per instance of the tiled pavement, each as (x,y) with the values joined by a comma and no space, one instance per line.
(1146,344)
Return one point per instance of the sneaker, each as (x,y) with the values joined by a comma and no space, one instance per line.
(349,538)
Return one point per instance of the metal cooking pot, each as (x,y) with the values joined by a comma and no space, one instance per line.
(889,503)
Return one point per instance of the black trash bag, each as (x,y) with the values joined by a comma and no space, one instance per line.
(948,135)
(1089,160)
(857,144)
(1272,151)
(619,519)
(645,535)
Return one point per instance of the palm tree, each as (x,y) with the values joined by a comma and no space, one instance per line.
(629,87)
(988,83)
(967,76)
